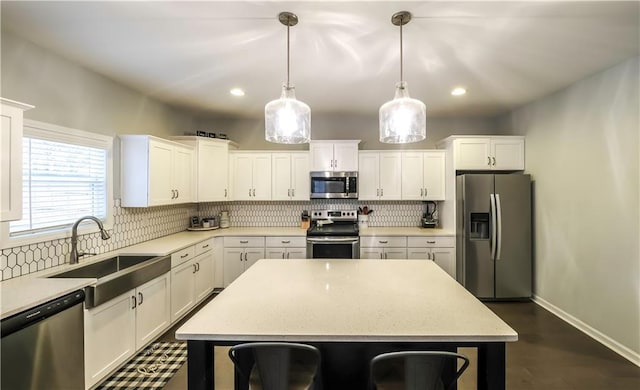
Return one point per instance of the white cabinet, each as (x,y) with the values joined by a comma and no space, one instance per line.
(439,249)
(379,175)
(286,247)
(192,277)
(381,247)
(334,155)
(486,153)
(11,159)
(290,176)
(115,330)
(240,253)
(423,175)
(156,171)
(211,168)
(251,175)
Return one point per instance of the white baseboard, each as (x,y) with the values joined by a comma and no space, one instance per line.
(607,341)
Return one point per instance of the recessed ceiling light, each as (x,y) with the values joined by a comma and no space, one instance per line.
(458,91)
(237,92)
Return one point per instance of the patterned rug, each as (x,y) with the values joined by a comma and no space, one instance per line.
(151,369)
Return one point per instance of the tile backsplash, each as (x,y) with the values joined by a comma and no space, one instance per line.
(136,225)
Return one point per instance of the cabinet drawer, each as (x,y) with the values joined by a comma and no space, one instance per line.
(181,256)
(383,241)
(243,242)
(204,246)
(431,242)
(286,242)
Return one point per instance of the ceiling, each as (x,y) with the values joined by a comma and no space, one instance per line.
(344,55)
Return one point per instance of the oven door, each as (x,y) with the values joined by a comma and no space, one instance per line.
(333,247)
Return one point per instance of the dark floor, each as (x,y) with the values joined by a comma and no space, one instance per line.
(550,354)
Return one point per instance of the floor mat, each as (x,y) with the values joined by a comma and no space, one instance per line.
(151,369)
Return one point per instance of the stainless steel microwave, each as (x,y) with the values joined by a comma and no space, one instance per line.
(334,185)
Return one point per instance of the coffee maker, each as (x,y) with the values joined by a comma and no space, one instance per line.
(429,218)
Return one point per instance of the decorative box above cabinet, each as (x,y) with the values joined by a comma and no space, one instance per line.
(211,167)
(495,153)
(156,171)
(11,156)
(339,155)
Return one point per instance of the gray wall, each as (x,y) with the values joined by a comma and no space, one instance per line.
(582,149)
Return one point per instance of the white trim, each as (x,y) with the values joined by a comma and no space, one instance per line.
(625,352)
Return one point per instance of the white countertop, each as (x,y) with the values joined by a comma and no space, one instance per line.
(21,293)
(346,301)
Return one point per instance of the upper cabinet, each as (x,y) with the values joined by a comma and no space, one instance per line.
(423,175)
(251,175)
(156,171)
(211,169)
(503,153)
(11,156)
(379,175)
(334,155)
(290,176)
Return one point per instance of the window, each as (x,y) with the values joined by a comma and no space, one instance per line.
(66,175)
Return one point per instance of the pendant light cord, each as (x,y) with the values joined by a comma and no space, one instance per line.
(288,60)
(401,79)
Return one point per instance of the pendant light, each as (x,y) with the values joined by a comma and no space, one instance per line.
(403,119)
(287,120)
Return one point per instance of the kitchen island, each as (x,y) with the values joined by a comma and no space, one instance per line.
(351,310)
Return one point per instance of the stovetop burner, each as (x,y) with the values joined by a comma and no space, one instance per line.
(333,223)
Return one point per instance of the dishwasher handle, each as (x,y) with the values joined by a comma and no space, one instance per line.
(39,313)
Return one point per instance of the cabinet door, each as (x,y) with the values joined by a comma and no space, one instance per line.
(183,174)
(300,182)
(296,253)
(152,311)
(204,276)
(213,171)
(242,176)
(345,156)
(508,153)
(281,176)
(182,292)
(395,253)
(253,255)
(11,163)
(275,253)
(368,176)
(412,176)
(446,259)
(434,173)
(472,153)
(371,253)
(390,176)
(233,264)
(418,253)
(261,177)
(321,154)
(109,336)
(160,171)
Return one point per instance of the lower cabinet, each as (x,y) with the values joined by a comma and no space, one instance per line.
(439,249)
(115,330)
(286,247)
(191,282)
(240,253)
(383,247)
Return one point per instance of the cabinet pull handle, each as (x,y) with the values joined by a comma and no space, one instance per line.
(283,255)
(134,302)
(430,242)
(245,257)
(382,242)
(386,256)
(205,246)
(289,192)
(141,297)
(225,192)
(288,254)
(286,242)
(488,160)
(336,164)
(425,192)
(494,161)
(293,192)
(240,256)
(381,191)
(421,192)
(195,269)
(249,191)
(177,194)
(244,241)
(185,255)
(380,255)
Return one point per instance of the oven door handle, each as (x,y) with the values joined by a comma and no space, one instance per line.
(331,239)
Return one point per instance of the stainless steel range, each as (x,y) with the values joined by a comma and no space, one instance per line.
(333,234)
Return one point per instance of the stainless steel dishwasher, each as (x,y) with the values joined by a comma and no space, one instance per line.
(43,347)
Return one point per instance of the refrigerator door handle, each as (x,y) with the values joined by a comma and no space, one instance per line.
(493,242)
(499,218)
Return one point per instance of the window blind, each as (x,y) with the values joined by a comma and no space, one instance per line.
(61,183)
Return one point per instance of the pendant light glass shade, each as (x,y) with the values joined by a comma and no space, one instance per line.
(287,120)
(403,119)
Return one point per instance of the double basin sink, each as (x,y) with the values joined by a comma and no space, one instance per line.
(117,275)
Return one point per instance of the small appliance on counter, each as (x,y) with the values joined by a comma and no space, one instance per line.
(207,223)
(429,218)
(224,219)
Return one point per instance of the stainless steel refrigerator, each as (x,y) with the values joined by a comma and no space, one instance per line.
(493,229)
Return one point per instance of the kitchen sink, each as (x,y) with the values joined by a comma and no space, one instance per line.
(117,275)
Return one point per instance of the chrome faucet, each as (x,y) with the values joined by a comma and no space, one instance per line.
(75,256)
